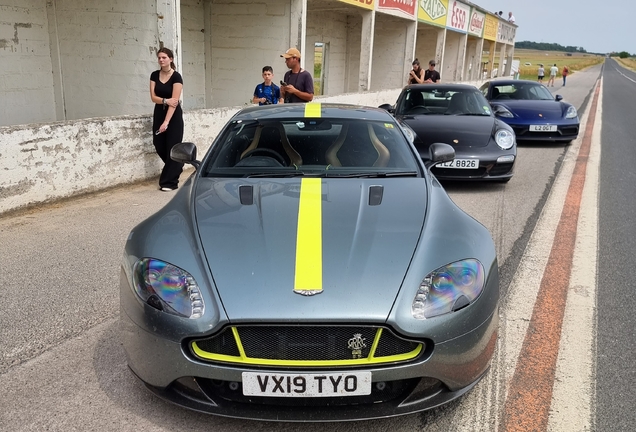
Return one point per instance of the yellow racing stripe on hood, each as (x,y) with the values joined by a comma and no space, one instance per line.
(308,279)
(313,109)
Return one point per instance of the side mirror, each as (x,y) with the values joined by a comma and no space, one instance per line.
(558,98)
(387,107)
(185,152)
(438,153)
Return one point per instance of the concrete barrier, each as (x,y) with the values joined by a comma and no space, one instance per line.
(45,162)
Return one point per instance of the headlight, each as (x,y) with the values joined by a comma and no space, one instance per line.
(571,112)
(448,289)
(410,134)
(502,111)
(504,139)
(167,288)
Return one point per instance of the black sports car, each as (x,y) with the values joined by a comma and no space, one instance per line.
(311,269)
(459,115)
(531,110)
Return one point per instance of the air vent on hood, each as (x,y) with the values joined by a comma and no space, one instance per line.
(246,194)
(375,195)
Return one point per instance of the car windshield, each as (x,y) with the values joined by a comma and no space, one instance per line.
(527,91)
(321,147)
(432,100)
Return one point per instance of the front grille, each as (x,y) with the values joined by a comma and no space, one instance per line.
(459,173)
(501,169)
(305,345)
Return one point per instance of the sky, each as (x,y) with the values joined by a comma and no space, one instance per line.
(597,26)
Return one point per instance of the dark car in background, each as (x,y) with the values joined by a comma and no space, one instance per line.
(532,111)
(311,269)
(458,115)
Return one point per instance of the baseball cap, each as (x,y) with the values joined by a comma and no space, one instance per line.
(432,62)
(292,52)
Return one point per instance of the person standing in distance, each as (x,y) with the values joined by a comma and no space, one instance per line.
(267,93)
(298,83)
(511,18)
(431,75)
(541,74)
(565,71)
(166,85)
(416,75)
(554,70)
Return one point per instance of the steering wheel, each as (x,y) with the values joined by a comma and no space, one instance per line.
(267,153)
(418,107)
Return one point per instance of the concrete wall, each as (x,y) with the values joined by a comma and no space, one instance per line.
(426,45)
(245,37)
(329,28)
(193,53)
(389,50)
(44,162)
(354,41)
(25,52)
(106,52)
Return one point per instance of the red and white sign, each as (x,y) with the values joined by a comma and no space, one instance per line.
(458,16)
(476,24)
(407,6)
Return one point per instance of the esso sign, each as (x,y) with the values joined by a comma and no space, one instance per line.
(458,16)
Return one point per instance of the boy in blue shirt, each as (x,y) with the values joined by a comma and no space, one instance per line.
(267,92)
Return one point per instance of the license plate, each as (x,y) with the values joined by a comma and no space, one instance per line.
(543,128)
(460,164)
(307,385)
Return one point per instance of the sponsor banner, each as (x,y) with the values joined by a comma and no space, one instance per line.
(433,11)
(407,6)
(476,23)
(506,33)
(491,26)
(458,16)
(367,4)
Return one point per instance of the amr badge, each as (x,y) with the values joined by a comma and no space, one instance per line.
(356,344)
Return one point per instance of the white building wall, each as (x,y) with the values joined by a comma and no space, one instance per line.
(331,28)
(426,44)
(245,37)
(388,53)
(354,42)
(26,83)
(452,51)
(193,53)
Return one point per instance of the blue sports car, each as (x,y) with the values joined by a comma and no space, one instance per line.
(531,110)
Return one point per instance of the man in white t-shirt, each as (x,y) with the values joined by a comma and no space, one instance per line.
(511,18)
(554,70)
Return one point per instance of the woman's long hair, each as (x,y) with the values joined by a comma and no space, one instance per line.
(168,52)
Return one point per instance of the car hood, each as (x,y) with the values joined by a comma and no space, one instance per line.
(547,110)
(458,131)
(252,252)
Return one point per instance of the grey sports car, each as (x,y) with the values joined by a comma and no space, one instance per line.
(312,269)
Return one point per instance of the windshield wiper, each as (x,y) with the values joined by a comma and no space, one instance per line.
(471,114)
(373,174)
(277,174)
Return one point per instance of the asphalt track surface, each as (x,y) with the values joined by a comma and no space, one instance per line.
(62,367)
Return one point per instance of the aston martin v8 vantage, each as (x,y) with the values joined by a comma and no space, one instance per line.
(311,269)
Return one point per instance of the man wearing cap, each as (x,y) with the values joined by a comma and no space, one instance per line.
(299,85)
(431,75)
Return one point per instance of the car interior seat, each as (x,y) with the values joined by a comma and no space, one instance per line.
(415,99)
(274,138)
(457,104)
(358,146)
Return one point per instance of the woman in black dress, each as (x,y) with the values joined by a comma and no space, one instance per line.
(166,85)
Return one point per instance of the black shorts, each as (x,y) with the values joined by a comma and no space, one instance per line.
(540,77)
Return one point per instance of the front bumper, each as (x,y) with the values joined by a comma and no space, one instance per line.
(567,132)
(450,370)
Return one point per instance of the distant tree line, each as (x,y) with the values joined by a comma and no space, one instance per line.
(545,46)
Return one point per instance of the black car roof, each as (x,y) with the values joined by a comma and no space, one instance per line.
(302,110)
(512,81)
(444,87)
